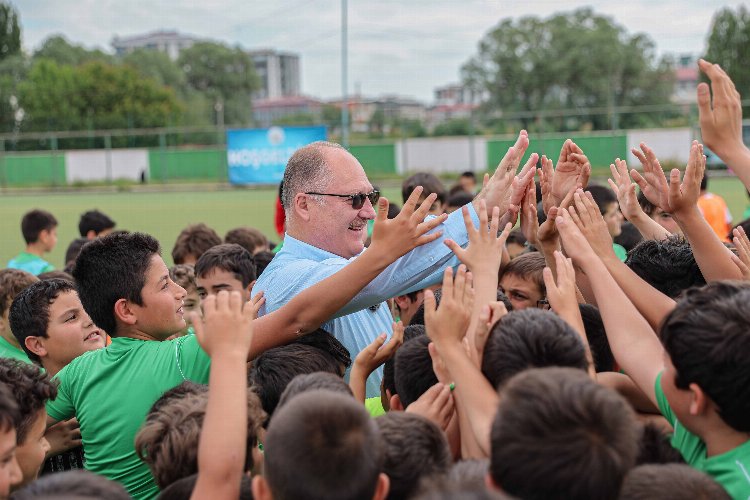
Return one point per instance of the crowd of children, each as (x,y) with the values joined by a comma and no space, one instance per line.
(597,351)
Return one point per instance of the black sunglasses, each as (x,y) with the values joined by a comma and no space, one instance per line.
(358,200)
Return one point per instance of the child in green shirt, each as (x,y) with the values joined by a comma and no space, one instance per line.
(39,230)
(12,282)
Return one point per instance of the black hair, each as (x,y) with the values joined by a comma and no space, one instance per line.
(389,383)
(313,381)
(670,482)
(323,340)
(183,488)
(667,265)
(112,268)
(516,236)
(94,220)
(34,222)
(460,199)
(262,259)
(707,338)
(604,360)
(648,207)
(530,338)
(629,237)
(31,388)
(413,372)
(229,257)
(74,249)
(418,318)
(429,182)
(72,484)
(272,370)
(655,447)
(10,414)
(29,312)
(603,196)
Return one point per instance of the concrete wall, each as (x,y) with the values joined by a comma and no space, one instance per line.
(671,145)
(437,155)
(105,165)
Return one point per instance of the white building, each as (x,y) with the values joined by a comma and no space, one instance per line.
(169,42)
(279,74)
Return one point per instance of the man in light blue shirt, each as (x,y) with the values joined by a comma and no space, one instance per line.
(328,201)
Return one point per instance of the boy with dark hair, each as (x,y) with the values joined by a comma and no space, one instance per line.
(430,184)
(388,386)
(667,265)
(670,482)
(94,224)
(468,181)
(262,259)
(249,238)
(664,219)
(32,388)
(79,484)
(192,242)
(348,467)
(39,230)
(413,373)
(530,339)
(183,488)
(311,382)
(457,200)
(557,433)
(184,275)
(225,267)
(10,418)
(414,448)
(521,280)
(12,282)
(72,252)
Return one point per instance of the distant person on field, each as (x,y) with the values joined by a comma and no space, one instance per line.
(39,230)
(192,242)
(430,184)
(249,238)
(468,181)
(715,211)
(94,224)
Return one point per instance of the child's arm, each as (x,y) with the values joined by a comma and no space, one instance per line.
(446,326)
(633,342)
(371,357)
(225,333)
(721,124)
(624,188)
(391,239)
(742,259)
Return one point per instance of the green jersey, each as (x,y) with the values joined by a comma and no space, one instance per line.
(111,390)
(730,469)
(8,350)
(30,263)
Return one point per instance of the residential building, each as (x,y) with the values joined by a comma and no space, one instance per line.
(169,42)
(686,79)
(279,73)
(267,112)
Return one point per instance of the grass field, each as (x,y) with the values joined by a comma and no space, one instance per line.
(164,214)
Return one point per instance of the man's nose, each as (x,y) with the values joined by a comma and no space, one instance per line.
(367,211)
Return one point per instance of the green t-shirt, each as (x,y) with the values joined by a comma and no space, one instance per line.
(8,350)
(30,263)
(110,391)
(730,469)
(620,251)
(374,406)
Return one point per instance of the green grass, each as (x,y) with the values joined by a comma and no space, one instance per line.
(162,215)
(165,214)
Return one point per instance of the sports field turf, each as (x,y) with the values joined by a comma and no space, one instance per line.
(164,214)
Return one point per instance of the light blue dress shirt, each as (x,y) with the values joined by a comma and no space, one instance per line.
(299,265)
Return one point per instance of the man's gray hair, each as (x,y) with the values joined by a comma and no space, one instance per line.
(306,171)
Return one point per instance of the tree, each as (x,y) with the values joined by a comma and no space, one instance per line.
(10,31)
(456,126)
(728,46)
(157,66)
(222,74)
(57,48)
(13,71)
(575,60)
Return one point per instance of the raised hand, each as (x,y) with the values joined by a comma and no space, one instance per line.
(683,196)
(573,240)
(378,352)
(573,169)
(449,322)
(653,183)
(529,219)
(436,405)
(721,121)
(484,252)
(490,314)
(497,190)
(587,217)
(408,230)
(227,323)
(742,259)
(624,188)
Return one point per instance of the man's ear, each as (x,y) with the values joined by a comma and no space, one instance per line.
(261,490)
(124,312)
(699,402)
(396,404)
(301,206)
(36,345)
(382,488)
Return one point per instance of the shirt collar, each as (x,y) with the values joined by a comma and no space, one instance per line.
(297,247)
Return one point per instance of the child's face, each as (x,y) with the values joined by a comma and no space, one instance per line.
(192,303)
(514,250)
(522,292)
(48,237)
(70,331)
(161,314)
(217,280)
(31,452)
(10,472)
(435,209)
(613,218)
(666,221)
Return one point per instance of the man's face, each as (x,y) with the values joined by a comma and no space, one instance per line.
(31,452)
(666,221)
(339,228)
(10,472)
(161,314)
(522,292)
(217,280)
(70,331)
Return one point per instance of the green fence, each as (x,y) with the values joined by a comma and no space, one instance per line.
(174,164)
(376,158)
(32,169)
(600,148)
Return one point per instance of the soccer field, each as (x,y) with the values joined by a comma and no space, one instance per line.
(164,214)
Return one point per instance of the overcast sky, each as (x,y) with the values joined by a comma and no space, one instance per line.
(405,47)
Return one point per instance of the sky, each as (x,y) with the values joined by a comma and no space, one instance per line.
(404,47)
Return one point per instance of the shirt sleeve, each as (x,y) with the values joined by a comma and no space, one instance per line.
(661,400)
(61,408)
(194,363)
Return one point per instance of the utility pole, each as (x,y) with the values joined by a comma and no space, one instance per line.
(344,83)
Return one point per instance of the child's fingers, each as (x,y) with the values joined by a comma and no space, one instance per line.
(504,235)
(398,332)
(456,289)
(428,238)
(424,208)
(410,205)
(549,281)
(495,220)
(429,304)
(456,249)
(483,218)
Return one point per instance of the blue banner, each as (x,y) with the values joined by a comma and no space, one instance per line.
(259,156)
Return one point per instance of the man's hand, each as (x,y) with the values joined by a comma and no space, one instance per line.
(449,322)
(624,188)
(484,252)
(371,357)
(742,259)
(227,323)
(63,436)
(683,197)
(586,215)
(496,191)
(653,183)
(436,405)
(573,169)
(408,230)
(721,123)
